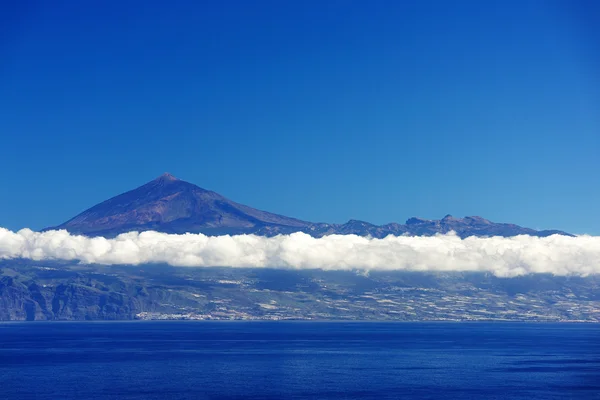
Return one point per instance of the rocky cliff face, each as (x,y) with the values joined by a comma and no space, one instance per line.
(64,301)
(29,292)
(170,205)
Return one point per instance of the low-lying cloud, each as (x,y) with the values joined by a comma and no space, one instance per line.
(505,257)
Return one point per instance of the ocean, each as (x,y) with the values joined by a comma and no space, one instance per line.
(298,360)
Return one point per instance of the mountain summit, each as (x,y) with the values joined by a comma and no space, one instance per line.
(167,177)
(168,204)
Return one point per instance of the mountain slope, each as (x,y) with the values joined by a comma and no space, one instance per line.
(170,205)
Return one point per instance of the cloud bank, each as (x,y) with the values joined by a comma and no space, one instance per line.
(504,257)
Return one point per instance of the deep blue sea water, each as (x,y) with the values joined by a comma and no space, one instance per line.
(299,360)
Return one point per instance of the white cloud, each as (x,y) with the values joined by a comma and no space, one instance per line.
(559,255)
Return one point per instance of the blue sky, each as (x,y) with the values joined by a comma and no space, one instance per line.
(326,111)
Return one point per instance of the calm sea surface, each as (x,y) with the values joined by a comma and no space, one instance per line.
(299,360)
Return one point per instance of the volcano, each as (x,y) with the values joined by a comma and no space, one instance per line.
(170,205)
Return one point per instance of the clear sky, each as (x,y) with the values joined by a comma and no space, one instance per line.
(321,110)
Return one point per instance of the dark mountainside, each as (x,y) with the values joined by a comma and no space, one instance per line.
(170,205)
(49,290)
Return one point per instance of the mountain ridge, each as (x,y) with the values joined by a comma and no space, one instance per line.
(170,205)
